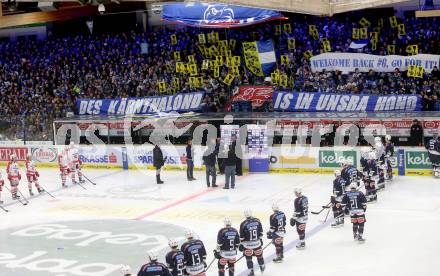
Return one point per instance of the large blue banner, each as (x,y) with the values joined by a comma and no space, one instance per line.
(179,102)
(326,102)
(216,15)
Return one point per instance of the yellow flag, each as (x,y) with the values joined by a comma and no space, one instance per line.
(411,71)
(176,82)
(215,37)
(229,78)
(285,59)
(179,67)
(193,69)
(275,77)
(235,70)
(202,38)
(283,80)
(277,29)
(312,29)
(393,21)
(228,61)
(374,36)
(176,55)
(205,64)
(219,60)
(419,72)
(401,30)
(236,60)
(213,50)
(391,49)
(191,59)
(202,50)
(162,86)
(308,54)
(223,43)
(373,45)
(199,82)
(172,90)
(287,28)
(326,45)
(363,33)
(291,43)
(232,43)
(412,49)
(173,39)
(192,81)
(216,72)
(355,33)
(364,22)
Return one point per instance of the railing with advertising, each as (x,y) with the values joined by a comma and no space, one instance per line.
(282,159)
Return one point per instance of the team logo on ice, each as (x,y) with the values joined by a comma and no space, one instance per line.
(65,248)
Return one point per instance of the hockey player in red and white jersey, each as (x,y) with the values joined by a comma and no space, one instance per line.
(75,164)
(32,175)
(63,163)
(2,182)
(14,176)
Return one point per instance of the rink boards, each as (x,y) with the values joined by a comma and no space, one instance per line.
(307,160)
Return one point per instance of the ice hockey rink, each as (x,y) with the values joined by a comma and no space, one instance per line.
(93,231)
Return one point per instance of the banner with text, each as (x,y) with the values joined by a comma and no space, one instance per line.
(326,102)
(349,62)
(179,102)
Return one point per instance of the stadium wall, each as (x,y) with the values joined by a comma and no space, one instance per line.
(307,160)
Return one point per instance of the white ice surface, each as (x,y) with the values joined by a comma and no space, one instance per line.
(402,229)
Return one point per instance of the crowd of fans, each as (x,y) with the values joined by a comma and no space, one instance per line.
(40,80)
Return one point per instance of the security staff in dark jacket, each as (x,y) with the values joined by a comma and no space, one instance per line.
(189,161)
(158,162)
(209,159)
(230,166)
(416,134)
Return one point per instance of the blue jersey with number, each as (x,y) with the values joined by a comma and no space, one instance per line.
(194,252)
(228,239)
(278,222)
(251,230)
(354,200)
(339,185)
(176,262)
(154,269)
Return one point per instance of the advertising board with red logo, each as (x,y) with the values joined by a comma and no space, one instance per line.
(20,152)
(258,95)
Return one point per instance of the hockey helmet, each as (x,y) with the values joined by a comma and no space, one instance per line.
(247,213)
(189,234)
(372,155)
(377,139)
(173,243)
(125,270)
(298,191)
(388,137)
(227,221)
(13,156)
(152,256)
(337,173)
(353,186)
(275,207)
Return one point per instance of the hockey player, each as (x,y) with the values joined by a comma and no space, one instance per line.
(175,259)
(355,201)
(63,163)
(389,152)
(251,235)
(32,175)
(339,186)
(228,240)
(14,176)
(2,182)
(277,231)
(126,270)
(370,189)
(433,148)
(379,150)
(350,173)
(300,217)
(195,255)
(74,164)
(153,268)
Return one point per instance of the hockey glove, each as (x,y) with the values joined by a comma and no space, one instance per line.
(269,235)
(292,222)
(217,254)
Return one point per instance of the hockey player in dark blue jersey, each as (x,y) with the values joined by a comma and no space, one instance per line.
(350,173)
(195,255)
(300,217)
(339,186)
(433,148)
(251,237)
(175,259)
(154,268)
(277,231)
(356,203)
(228,240)
(389,153)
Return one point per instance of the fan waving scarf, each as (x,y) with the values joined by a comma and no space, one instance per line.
(216,15)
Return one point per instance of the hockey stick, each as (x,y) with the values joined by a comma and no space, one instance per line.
(46,191)
(93,183)
(78,183)
(264,248)
(323,208)
(24,198)
(207,268)
(4,209)
(326,216)
(19,199)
